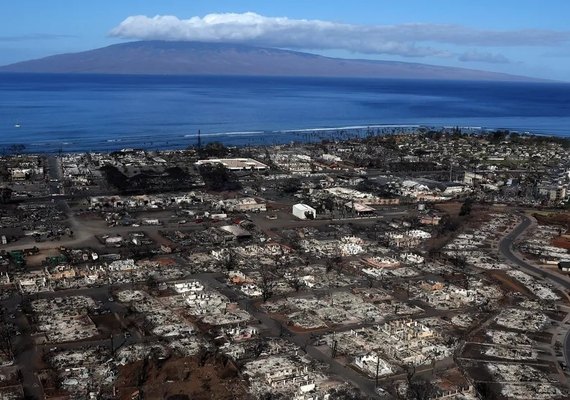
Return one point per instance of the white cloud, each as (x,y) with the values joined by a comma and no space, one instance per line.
(476,56)
(407,40)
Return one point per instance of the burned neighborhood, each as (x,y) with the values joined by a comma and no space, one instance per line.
(416,265)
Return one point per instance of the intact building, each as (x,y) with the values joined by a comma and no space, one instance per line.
(234,164)
(303,211)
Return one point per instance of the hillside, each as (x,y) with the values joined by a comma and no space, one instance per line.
(195,58)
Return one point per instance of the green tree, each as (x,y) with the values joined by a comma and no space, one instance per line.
(291,185)
(115,177)
(152,282)
(213,149)
(5,195)
(466,207)
(218,178)
(266,284)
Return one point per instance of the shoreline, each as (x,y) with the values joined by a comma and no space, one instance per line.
(252,138)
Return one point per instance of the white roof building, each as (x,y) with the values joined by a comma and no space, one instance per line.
(370,363)
(234,164)
(303,211)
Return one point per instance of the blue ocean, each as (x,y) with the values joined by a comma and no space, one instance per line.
(49,113)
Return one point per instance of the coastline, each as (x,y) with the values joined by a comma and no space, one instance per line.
(51,114)
(252,138)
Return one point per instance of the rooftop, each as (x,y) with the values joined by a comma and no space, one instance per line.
(234,164)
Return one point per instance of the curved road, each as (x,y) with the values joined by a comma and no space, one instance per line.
(506,249)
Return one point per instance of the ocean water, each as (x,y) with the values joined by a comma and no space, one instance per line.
(49,113)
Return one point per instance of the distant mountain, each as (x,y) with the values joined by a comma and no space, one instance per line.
(195,58)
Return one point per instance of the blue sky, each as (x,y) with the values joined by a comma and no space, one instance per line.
(521,37)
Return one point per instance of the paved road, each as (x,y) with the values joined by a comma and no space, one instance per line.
(54,174)
(303,340)
(28,354)
(26,357)
(505,247)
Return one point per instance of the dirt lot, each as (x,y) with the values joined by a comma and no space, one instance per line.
(107,323)
(451,378)
(196,378)
(37,259)
(562,242)
(507,283)
(553,218)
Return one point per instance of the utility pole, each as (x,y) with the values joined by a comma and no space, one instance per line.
(377,367)
(199,139)
(334,344)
